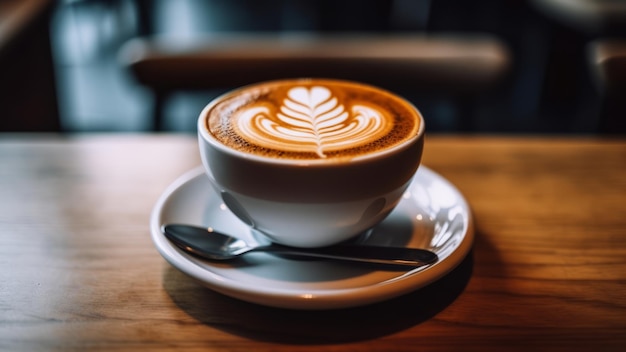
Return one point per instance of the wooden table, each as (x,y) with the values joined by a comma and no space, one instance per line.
(80,273)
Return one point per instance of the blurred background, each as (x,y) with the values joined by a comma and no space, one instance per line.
(525,66)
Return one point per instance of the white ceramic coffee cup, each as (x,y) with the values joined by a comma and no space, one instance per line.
(310,203)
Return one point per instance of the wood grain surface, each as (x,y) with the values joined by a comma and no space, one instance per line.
(78,271)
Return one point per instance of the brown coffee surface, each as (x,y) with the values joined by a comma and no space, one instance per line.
(311,119)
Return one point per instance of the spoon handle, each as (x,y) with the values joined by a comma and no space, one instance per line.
(413,257)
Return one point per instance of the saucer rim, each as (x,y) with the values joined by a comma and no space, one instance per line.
(410,281)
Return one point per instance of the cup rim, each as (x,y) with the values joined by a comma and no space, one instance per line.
(207,136)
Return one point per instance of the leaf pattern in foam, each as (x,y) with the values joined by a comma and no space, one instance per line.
(311,119)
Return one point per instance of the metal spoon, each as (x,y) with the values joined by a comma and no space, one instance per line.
(212,245)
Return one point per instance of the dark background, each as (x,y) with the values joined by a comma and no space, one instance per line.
(60,70)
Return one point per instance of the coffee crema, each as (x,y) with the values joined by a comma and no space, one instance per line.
(311,119)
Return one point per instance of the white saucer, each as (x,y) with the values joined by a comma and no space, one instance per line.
(433,214)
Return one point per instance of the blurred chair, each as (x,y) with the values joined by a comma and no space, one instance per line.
(28,96)
(591,16)
(600,21)
(457,66)
(608,62)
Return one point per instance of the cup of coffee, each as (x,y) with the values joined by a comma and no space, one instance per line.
(310,162)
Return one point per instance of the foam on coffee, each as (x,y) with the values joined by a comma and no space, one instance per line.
(311,119)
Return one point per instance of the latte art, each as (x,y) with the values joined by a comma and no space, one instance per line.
(312,119)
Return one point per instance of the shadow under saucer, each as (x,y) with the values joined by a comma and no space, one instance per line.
(280,325)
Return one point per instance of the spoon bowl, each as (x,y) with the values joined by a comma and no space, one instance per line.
(212,245)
